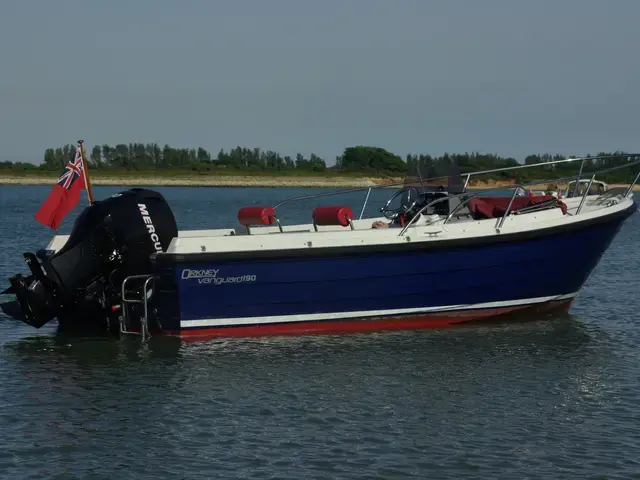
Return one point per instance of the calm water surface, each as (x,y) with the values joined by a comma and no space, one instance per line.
(554,397)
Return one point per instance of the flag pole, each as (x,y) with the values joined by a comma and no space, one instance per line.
(87,181)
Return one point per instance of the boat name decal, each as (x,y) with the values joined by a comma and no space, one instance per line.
(146,218)
(210,277)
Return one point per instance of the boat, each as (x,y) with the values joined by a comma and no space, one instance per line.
(596,187)
(577,188)
(443,255)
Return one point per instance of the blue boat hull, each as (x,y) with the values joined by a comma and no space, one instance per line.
(403,286)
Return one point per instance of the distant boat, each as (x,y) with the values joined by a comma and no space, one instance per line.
(447,256)
(595,187)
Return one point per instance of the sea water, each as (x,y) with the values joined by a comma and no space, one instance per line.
(553,398)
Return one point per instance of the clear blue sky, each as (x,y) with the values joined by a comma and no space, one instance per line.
(506,76)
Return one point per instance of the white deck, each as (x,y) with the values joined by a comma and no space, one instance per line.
(304,236)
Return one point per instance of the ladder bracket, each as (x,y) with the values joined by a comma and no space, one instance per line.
(136,296)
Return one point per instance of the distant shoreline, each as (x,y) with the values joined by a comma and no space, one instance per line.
(247,181)
(205,181)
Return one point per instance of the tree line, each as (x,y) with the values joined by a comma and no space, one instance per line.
(365,160)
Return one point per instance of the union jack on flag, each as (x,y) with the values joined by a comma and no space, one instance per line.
(72,171)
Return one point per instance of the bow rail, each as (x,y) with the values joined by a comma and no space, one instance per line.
(470,175)
(466,197)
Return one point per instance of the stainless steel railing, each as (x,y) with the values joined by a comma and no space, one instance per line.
(468,176)
(466,197)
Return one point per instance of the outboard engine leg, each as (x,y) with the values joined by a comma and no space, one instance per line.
(36,301)
(34,304)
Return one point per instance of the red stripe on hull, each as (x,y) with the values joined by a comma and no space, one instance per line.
(413,322)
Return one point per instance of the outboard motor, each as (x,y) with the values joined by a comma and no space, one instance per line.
(110,240)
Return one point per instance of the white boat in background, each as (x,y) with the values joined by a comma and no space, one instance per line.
(577,189)
(446,256)
(596,187)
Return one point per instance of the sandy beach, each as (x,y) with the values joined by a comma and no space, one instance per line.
(206,181)
(247,181)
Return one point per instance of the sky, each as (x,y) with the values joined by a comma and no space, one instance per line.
(510,77)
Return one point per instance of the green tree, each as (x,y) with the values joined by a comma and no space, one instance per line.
(371,159)
(96,157)
(358,159)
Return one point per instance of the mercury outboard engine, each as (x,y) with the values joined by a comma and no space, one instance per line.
(110,240)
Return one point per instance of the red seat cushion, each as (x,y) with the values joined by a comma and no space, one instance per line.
(495,207)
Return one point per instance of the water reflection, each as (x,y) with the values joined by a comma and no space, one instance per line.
(550,335)
(95,351)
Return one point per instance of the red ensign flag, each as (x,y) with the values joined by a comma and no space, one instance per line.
(65,194)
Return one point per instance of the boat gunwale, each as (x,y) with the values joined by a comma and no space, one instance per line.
(388,236)
(419,245)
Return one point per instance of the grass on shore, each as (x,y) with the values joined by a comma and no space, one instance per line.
(218,178)
(234,178)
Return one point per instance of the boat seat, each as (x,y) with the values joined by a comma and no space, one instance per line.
(332,216)
(255,216)
(495,207)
